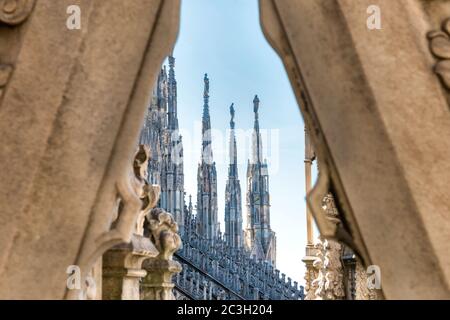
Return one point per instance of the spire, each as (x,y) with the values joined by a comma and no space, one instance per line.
(233,207)
(206,102)
(207,177)
(233,151)
(255,110)
(261,239)
(232,116)
(257,147)
(172,97)
(206,124)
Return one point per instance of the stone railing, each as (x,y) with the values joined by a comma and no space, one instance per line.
(213,270)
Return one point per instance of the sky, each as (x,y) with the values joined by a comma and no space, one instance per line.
(223,38)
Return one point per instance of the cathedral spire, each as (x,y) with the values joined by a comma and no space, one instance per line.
(190,204)
(233,206)
(172,97)
(260,239)
(207,155)
(208,226)
(206,118)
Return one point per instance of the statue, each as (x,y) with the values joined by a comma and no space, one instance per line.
(232,116)
(255,104)
(164,233)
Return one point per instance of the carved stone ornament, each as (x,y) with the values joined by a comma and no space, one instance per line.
(130,201)
(158,284)
(14,12)
(164,233)
(150,193)
(328,284)
(440,48)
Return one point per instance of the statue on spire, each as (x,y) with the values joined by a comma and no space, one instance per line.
(172,117)
(255,104)
(171,61)
(206,92)
(232,116)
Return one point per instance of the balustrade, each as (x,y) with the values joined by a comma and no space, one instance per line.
(214,271)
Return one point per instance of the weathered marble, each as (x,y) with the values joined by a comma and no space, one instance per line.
(379,119)
(72,102)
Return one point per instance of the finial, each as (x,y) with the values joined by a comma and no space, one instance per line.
(171,61)
(255,104)
(206,80)
(232,116)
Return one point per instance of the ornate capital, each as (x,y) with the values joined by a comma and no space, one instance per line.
(158,284)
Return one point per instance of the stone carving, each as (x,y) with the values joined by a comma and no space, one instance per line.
(148,258)
(310,276)
(14,12)
(440,48)
(329,282)
(158,285)
(150,193)
(150,199)
(164,234)
(133,195)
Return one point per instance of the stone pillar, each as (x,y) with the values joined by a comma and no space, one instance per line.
(122,265)
(328,285)
(309,158)
(122,268)
(309,258)
(157,284)
(311,272)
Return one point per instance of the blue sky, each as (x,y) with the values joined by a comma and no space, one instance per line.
(223,38)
